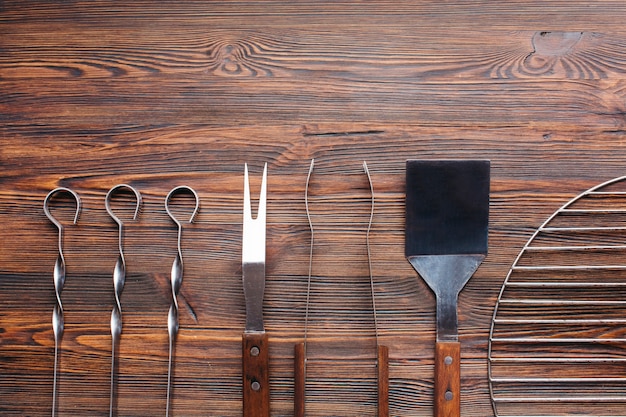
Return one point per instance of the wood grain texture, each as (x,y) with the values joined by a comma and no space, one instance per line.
(160,94)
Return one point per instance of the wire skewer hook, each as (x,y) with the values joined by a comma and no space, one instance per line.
(119,278)
(176,280)
(59,282)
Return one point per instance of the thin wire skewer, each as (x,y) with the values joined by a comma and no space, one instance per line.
(300,349)
(369,252)
(59,282)
(176,280)
(119,278)
(382,351)
(308,216)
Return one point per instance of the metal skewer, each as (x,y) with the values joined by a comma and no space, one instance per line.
(59,282)
(176,280)
(119,278)
(300,349)
(382,365)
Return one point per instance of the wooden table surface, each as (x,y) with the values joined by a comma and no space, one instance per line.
(166,93)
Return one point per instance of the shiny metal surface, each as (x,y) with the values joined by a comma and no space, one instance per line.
(253,254)
(119,278)
(446,275)
(59,282)
(176,281)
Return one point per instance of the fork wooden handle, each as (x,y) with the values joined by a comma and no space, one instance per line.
(256,387)
(448,379)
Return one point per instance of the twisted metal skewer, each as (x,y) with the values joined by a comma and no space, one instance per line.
(59,282)
(176,280)
(119,278)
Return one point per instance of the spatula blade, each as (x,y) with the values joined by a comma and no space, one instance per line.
(447,207)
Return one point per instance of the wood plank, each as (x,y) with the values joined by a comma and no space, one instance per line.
(159,94)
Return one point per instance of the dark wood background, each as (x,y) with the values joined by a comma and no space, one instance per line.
(164,93)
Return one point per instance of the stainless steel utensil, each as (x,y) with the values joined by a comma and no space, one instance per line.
(255,349)
(59,282)
(119,278)
(447,216)
(176,280)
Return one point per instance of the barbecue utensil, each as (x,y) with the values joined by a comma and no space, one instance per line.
(255,352)
(558,335)
(176,280)
(300,349)
(119,278)
(447,215)
(59,283)
(382,351)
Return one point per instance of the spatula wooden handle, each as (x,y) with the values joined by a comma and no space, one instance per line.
(256,387)
(448,379)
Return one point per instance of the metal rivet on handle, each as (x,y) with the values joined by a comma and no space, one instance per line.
(448,360)
(256,386)
(254,351)
(448,395)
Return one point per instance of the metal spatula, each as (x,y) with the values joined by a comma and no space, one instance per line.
(447,216)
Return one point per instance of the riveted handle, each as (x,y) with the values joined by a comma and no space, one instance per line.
(256,387)
(448,379)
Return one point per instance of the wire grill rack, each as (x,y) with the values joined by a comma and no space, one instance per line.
(557,344)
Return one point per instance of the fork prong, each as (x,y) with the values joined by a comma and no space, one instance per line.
(263,198)
(247,209)
(254,228)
